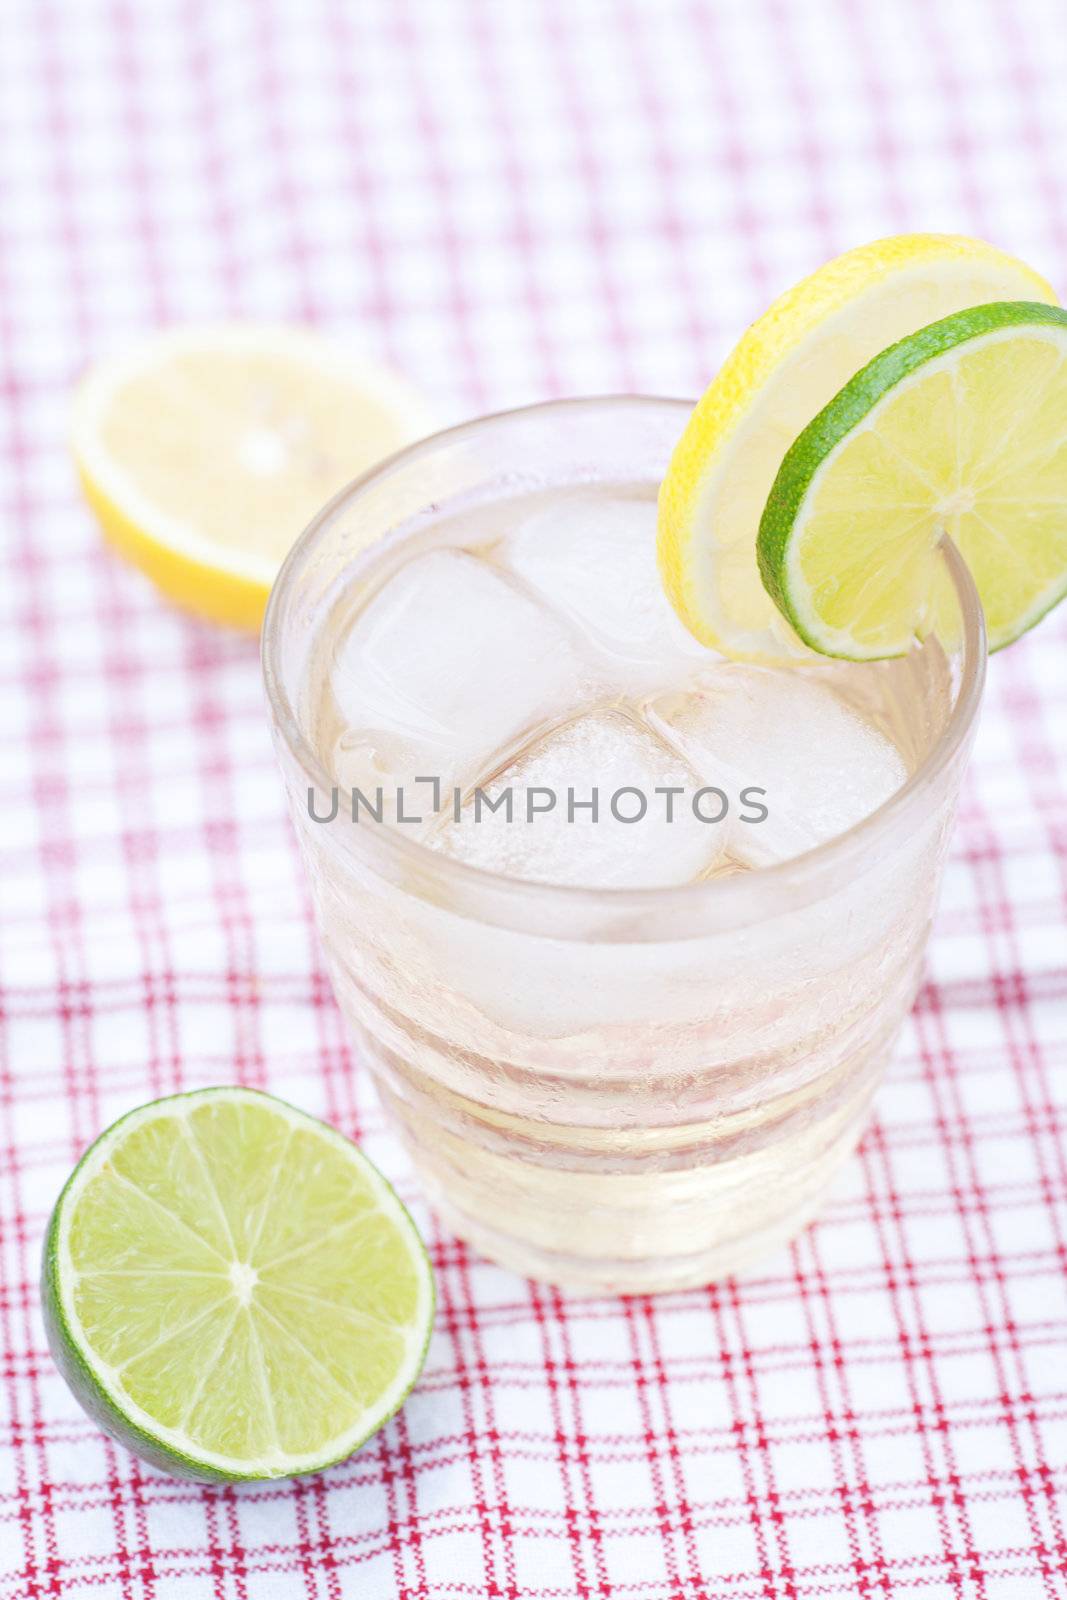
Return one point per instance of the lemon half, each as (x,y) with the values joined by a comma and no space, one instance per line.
(205,451)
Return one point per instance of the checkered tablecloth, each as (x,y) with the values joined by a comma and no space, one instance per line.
(511,199)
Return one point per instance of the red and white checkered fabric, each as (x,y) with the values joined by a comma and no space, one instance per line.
(510,201)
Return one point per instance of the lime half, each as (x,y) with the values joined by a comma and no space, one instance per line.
(232,1290)
(960,428)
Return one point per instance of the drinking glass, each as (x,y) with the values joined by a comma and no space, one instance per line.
(615,1089)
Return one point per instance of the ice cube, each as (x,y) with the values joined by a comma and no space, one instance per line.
(548,835)
(822,766)
(593,556)
(449,663)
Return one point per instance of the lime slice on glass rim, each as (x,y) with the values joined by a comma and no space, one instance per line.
(784,369)
(959,429)
(232,1290)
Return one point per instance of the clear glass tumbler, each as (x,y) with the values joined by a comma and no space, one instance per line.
(616,1090)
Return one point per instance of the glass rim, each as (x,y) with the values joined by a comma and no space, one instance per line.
(796,874)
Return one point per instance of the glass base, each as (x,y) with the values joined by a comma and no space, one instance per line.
(627,1210)
(581,1276)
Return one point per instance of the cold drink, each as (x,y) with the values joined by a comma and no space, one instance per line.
(625,931)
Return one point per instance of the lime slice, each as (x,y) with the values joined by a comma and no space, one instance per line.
(785,368)
(205,451)
(232,1290)
(959,429)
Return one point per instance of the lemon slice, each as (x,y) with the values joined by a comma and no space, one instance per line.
(232,1290)
(205,451)
(786,367)
(959,429)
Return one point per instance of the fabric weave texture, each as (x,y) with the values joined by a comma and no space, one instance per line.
(511,201)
